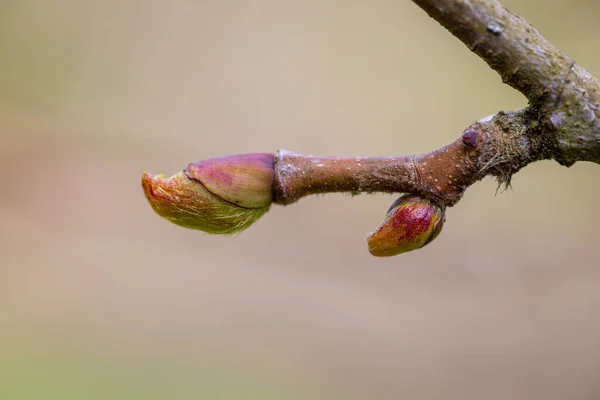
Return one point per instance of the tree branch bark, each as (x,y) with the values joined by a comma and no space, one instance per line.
(498,147)
(564,98)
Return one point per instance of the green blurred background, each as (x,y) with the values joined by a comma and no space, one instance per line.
(102,299)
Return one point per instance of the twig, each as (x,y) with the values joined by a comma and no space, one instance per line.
(495,147)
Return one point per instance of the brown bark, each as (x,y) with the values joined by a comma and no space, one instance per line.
(494,147)
(564,98)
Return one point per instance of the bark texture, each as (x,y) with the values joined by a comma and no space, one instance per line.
(564,98)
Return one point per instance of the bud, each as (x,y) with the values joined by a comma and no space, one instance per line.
(411,223)
(219,196)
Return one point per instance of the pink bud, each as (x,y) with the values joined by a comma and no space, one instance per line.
(411,223)
(220,195)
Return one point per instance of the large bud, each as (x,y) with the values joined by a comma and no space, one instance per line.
(219,195)
(411,223)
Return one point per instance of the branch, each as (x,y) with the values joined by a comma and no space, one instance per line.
(564,97)
(495,147)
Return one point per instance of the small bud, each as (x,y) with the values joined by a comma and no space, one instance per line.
(219,196)
(411,223)
(470,138)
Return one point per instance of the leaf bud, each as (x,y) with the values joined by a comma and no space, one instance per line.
(411,223)
(219,196)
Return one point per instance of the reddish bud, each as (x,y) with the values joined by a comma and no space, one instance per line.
(220,196)
(411,223)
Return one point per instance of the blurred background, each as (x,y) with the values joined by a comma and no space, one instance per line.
(102,299)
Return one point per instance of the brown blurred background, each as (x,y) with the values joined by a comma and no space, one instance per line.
(102,299)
